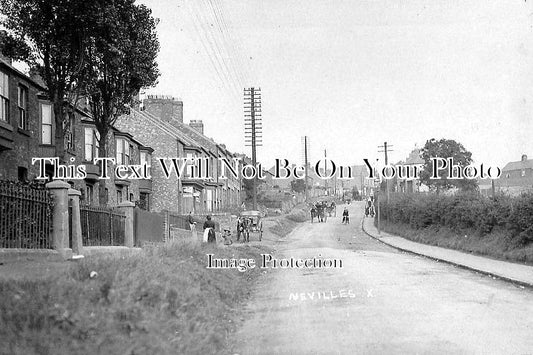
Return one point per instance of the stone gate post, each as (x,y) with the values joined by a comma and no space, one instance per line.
(128,207)
(60,232)
(77,244)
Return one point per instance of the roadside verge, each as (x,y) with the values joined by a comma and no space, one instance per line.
(515,273)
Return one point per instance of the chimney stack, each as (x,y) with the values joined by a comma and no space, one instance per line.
(168,108)
(197,125)
(524,157)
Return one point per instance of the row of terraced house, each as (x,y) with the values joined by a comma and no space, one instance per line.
(154,129)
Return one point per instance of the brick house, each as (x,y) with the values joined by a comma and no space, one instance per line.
(516,177)
(26,124)
(27,130)
(160,124)
(126,150)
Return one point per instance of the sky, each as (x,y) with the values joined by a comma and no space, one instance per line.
(353,74)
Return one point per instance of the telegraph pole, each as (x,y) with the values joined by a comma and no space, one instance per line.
(386,149)
(325,172)
(305,164)
(253,129)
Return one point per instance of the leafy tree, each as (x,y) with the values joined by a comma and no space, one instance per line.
(298,185)
(104,50)
(445,148)
(121,60)
(51,37)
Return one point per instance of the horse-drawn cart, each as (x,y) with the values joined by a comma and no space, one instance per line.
(252,224)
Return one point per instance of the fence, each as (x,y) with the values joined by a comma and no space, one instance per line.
(25,216)
(102,226)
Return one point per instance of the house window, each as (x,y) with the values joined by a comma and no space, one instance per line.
(46,124)
(89,194)
(4,97)
(92,145)
(146,158)
(119,195)
(191,164)
(144,201)
(131,197)
(22,104)
(123,152)
(22,174)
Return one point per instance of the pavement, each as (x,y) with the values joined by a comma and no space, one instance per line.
(382,301)
(513,272)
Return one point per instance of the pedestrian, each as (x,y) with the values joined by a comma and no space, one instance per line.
(209,230)
(192,223)
(240,227)
(345,216)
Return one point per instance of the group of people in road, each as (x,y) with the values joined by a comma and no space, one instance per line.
(321,210)
(209,227)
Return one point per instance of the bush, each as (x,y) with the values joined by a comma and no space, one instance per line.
(464,212)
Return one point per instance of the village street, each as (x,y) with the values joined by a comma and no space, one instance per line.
(381,301)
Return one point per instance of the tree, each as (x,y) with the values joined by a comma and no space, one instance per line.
(51,37)
(121,61)
(298,185)
(445,148)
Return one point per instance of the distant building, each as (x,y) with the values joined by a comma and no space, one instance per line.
(516,177)
(411,185)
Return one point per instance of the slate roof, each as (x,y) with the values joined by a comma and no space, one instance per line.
(518,165)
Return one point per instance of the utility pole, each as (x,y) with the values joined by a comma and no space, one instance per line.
(305,164)
(386,149)
(253,129)
(325,173)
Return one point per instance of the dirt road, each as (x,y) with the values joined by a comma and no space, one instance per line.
(380,302)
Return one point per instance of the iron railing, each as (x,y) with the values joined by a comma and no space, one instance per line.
(25,216)
(101,226)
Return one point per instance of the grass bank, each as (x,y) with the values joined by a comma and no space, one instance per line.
(496,244)
(286,224)
(162,301)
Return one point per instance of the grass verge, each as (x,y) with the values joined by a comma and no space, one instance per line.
(286,224)
(496,244)
(162,301)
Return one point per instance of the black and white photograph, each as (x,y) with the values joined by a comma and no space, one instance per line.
(266,177)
